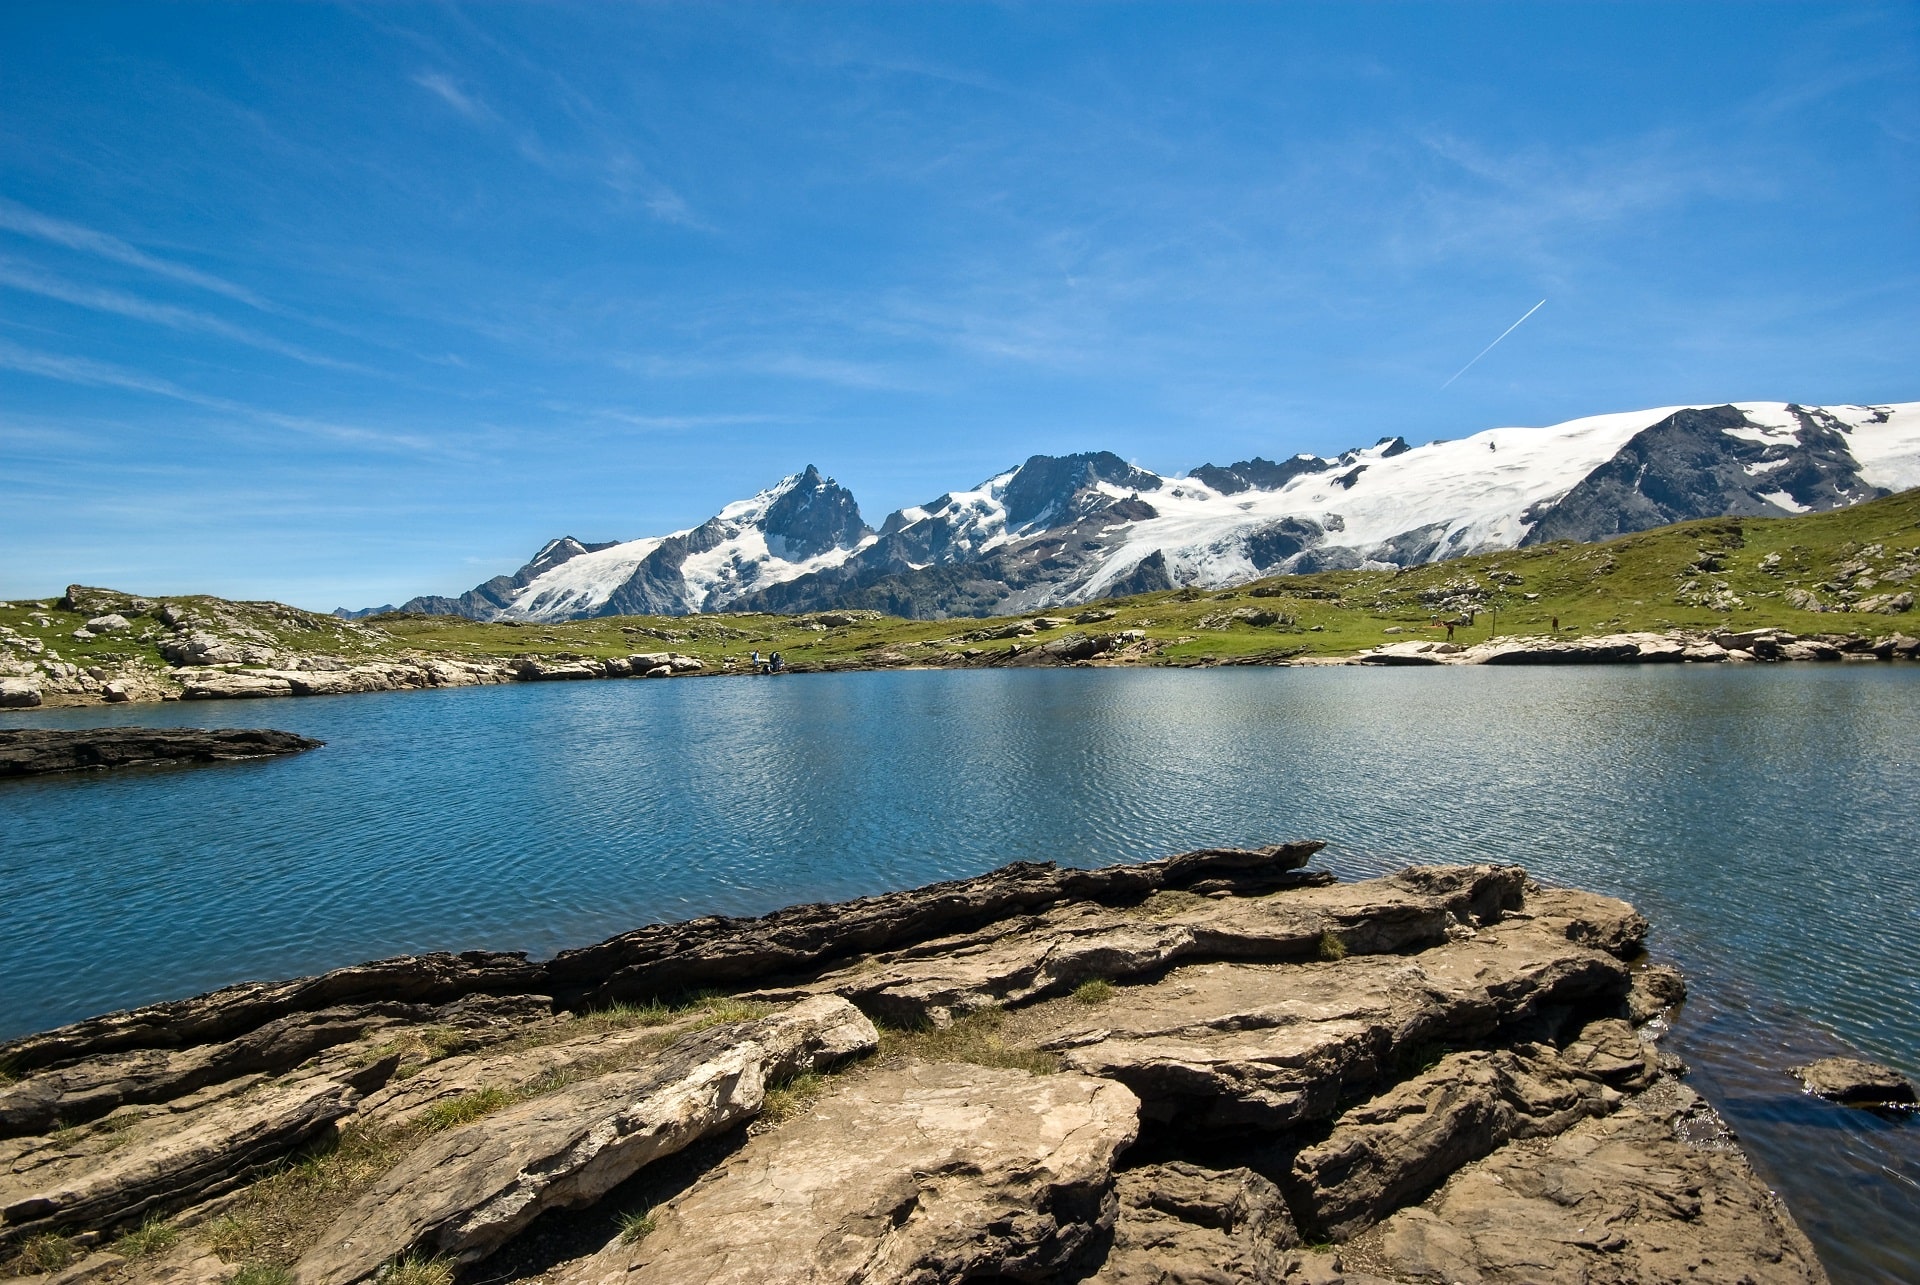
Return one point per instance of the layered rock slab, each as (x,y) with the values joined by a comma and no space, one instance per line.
(468,1191)
(1616,1201)
(920,1173)
(33,751)
(1184,1224)
(1231,1046)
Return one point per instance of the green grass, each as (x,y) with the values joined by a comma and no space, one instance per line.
(43,1255)
(414,1270)
(466,1108)
(261,1274)
(793,1096)
(1670,577)
(153,1236)
(978,1038)
(1332,947)
(635,1227)
(1095,992)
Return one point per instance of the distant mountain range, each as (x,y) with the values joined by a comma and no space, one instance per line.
(1065,529)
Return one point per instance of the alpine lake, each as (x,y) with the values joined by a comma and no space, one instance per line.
(1765,819)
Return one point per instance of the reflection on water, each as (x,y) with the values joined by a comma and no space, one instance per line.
(1763,819)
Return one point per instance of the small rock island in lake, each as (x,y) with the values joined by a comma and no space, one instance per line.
(33,751)
(1216,1067)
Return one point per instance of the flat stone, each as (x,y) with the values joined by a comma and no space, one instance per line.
(468,1191)
(1852,1082)
(927,1172)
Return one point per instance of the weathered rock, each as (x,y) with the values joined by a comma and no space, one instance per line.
(1617,1199)
(237,685)
(170,1159)
(1181,1224)
(111,623)
(1854,1082)
(468,1191)
(546,671)
(1222,1047)
(1018,961)
(96,1087)
(19,693)
(29,751)
(667,959)
(1397,1147)
(1656,989)
(917,1174)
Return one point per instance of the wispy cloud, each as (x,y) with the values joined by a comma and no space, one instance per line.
(26,222)
(19,276)
(467,104)
(95,374)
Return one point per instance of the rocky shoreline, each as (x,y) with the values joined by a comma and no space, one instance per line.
(197,676)
(1218,1067)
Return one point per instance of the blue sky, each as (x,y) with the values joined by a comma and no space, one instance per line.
(342,304)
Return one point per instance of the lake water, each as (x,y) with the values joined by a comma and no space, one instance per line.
(1766,820)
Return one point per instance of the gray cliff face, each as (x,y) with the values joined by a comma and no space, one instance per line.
(1690,465)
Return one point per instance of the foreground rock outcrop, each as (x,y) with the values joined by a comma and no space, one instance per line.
(1218,1067)
(31,751)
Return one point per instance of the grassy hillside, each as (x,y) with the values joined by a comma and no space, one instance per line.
(1737,573)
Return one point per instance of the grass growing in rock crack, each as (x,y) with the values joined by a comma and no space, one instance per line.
(418,1047)
(635,1227)
(1168,902)
(1333,947)
(153,1236)
(41,1255)
(281,1215)
(1097,991)
(414,1270)
(975,1038)
(792,1096)
(261,1274)
(466,1108)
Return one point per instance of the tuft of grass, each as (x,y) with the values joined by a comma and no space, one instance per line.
(974,1038)
(279,1217)
(466,1108)
(1332,946)
(261,1274)
(793,1096)
(414,1270)
(1097,991)
(636,1227)
(1169,902)
(45,1254)
(722,1009)
(418,1047)
(153,1236)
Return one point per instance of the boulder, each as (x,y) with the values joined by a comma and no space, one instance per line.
(19,693)
(468,1191)
(108,624)
(217,685)
(936,1172)
(1853,1082)
(1184,1224)
(548,671)
(1418,652)
(1619,1198)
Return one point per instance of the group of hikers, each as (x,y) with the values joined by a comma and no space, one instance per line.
(771,664)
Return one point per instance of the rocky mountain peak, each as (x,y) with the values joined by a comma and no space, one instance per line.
(1051,489)
(811,516)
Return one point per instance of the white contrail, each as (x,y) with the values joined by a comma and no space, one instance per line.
(1489,348)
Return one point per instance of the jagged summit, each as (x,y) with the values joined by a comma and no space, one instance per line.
(1061,529)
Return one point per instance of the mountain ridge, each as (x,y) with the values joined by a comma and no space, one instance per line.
(1061,529)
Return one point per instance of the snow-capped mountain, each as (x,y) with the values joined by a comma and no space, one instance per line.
(1066,529)
(804,524)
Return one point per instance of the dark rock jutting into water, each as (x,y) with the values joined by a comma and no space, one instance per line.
(31,751)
